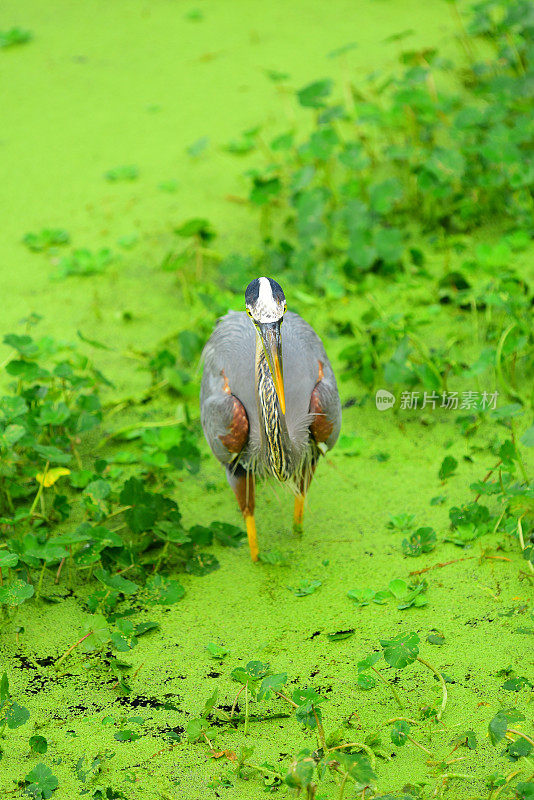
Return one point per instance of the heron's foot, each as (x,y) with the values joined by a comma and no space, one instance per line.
(298,515)
(250,522)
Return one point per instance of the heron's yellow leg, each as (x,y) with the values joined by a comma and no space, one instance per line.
(251,534)
(299,513)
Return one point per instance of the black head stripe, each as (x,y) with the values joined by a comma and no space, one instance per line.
(252,292)
(278,294)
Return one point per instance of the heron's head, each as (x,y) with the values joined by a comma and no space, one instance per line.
(266,305)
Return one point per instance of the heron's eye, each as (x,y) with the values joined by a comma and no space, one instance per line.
(249,312)
(285,307)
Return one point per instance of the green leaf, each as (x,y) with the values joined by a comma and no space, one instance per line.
(314,94)
(164,591)
(144,627)
(41,782)
(16,592)
(196,227)
(194,729)
(38,744)
(408,595)
(368,662)
(126,736)
(519,748)
(339,635)
(436,637)
(307,711)
(8,560)
(422,541)
(362,597)
(124,173)
(438,500)
(11,435)
(116,582)
(497,727)
(210,703)
(24,345)
(217,650)
(264,189)
(142,514)
(202,564)
(398,588)
(401,650)
(83,262)
(25,370)
(99,634)
(227,535)
(198,147)
(300,774)
(448,468)
(365,681)
(270,684)
(15,36)
(465,739)
(358,767)
(525,790)
(516,684)
(124,639)
(104,537)
(305,588)
(401,522)
(383,196)
(4,689)
(16,715)
(399,733)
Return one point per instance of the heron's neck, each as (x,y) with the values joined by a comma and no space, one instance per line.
(273,425)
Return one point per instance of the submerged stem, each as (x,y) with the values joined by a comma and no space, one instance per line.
(342,786)
(40,584)
(390,687)
(320,730)
(522,540)
(73,647)
(360,746)
(235,702)
(246,710)
(288,699)
(439,676)
(419,745)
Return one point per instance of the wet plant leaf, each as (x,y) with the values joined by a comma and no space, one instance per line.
(163,591)
(41,782)
(38,744)
(339,635)
(422,541)
(217,650)
(365,681)
(465,739)
(399,733)
(435,637)
(16,592)
(306,587)
(127,172)
(401,650)
(314,94)
(448,468)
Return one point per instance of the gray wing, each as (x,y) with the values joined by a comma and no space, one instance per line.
(307,371)
(230,355)
(229,359)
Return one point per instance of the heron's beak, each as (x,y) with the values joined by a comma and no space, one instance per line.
(272,346)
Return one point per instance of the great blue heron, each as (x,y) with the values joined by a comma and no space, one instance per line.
(269,401)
